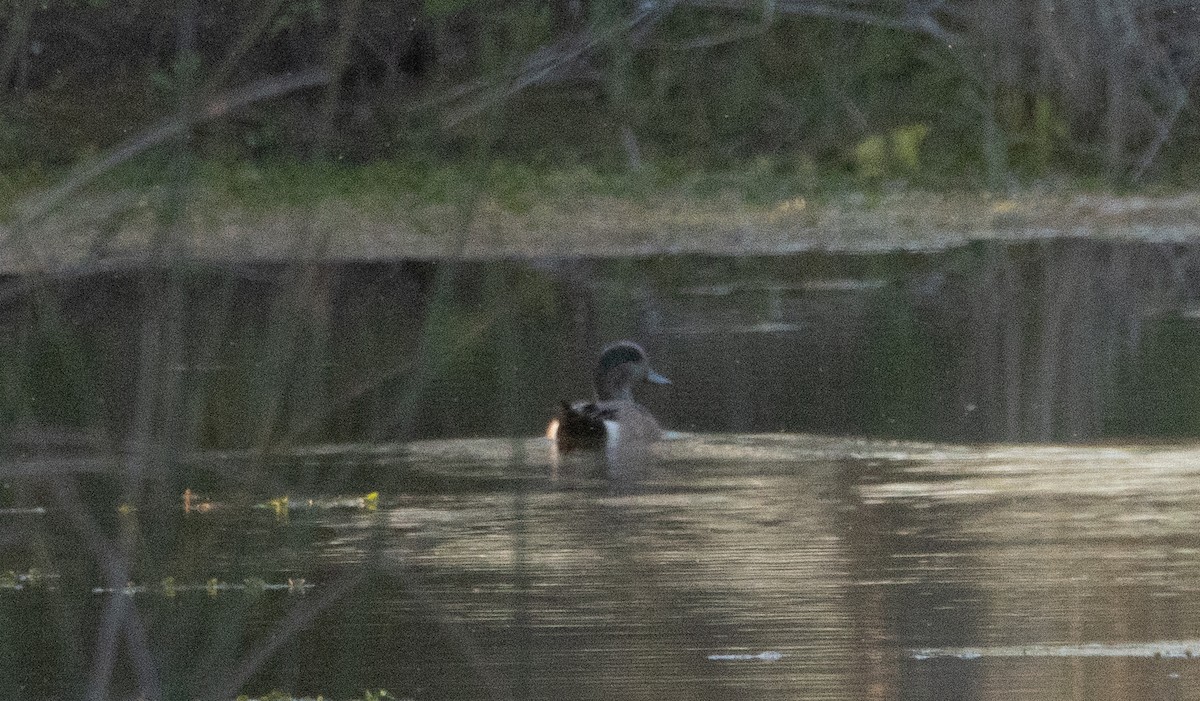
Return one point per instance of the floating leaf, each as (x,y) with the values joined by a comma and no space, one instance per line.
(280,506)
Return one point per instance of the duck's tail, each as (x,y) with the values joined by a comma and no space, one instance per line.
(581,426)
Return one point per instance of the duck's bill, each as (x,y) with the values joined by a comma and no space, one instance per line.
(657,379)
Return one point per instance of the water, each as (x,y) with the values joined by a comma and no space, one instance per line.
(838,519)
(777,566)
(1046,341)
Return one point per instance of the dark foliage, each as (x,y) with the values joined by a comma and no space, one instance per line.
(1002,89)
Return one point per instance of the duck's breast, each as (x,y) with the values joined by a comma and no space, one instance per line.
(629,421)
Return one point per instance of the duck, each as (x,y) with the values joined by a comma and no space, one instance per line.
(613,418)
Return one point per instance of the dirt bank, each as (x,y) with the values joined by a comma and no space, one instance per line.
(122,227)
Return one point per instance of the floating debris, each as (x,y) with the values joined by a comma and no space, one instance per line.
(284,504)
(170,587)
(280,506)
(368,695)
(768,656)
(193,502)
(16,581)
(1176,649)
(128,590)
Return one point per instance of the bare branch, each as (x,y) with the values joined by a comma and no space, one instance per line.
(257,91)
(916,20)
(554,62)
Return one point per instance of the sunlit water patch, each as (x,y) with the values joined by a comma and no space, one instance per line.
(1178,649)
(725,566)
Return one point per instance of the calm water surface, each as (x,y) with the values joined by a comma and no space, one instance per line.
(751,558)
(781,566)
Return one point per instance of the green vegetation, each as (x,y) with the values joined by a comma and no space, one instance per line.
(515,187)
(562,99)
(33,578)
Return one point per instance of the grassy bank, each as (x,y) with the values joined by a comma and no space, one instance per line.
(392,209)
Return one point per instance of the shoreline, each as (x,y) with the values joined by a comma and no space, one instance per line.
(123,228)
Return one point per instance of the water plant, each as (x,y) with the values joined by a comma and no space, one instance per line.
(280,506)
(33,577)
(277,695)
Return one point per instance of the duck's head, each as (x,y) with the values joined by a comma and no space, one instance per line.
(622,365)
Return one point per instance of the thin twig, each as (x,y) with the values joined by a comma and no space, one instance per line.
(555,61)
(259,90)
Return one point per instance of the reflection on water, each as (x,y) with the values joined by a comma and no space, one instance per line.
(1067,340)
(840,558)
(749,558)
(772,566)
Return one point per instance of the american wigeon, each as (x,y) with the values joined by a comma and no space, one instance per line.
(614,418)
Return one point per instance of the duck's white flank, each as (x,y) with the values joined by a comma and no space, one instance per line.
(612,432)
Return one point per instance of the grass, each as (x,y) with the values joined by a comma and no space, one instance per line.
(422,207)
(517,187)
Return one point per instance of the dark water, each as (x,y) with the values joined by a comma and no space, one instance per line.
(749,557)
(1057,340)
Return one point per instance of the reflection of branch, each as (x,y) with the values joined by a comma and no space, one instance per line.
(455,632)
(284,632)
(120,614)
(257,91)
(373,381)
